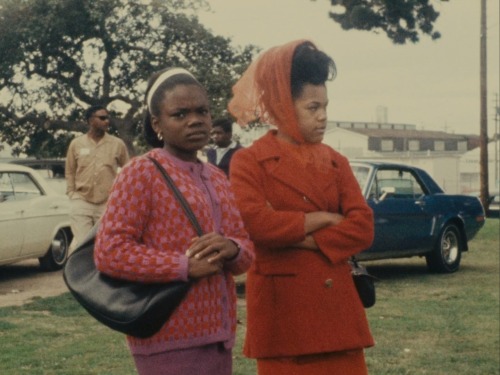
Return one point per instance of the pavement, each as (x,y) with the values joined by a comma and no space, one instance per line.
(22,282)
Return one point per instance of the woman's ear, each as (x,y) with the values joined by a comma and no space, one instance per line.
(155,123)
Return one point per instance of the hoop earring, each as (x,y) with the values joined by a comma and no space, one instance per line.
(160,137)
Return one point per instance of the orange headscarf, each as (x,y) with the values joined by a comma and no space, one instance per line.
(264,91)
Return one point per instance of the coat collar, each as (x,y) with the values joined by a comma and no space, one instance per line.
(283,169)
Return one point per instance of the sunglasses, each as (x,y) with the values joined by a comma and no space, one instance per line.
(102,118)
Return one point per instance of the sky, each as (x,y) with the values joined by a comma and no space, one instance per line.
(432,84)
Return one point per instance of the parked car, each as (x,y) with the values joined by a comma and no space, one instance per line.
(50,169)
(413,215)
(34,218)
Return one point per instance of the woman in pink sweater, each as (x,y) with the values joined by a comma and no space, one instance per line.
(145,236)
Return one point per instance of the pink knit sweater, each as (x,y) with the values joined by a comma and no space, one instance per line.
(144,235)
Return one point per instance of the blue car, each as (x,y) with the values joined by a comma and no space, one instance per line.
(413,215)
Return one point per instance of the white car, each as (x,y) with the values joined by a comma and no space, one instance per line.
(34,219)
(52,170)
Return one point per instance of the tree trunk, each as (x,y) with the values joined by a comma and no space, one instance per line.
(126,133)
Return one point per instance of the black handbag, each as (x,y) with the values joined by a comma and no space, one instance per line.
(133,308)
(364,282)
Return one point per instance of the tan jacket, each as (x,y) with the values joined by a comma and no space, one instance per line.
(92,167)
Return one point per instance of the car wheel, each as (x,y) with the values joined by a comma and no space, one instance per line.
(58,252)
(447,253)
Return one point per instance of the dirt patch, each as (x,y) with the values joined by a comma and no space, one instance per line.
(22,282)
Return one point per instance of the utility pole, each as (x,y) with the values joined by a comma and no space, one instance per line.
(483,133)
(497,139)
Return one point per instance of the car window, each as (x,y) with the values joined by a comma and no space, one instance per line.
(6,188)
(16,186)
(392,183)
(52,172)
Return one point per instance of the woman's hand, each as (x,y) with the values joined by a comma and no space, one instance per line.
(208,253)
(198,268)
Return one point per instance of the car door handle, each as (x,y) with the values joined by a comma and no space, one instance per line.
(420,203)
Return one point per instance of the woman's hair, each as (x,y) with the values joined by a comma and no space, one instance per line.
(268,88)
(154,104)
(310,66)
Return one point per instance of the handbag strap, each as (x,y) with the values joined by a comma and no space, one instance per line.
(185,205)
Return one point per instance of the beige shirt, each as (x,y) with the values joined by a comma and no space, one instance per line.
(92,167)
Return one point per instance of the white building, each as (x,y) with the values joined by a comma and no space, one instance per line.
(469,169)
(451,159)
(437,152)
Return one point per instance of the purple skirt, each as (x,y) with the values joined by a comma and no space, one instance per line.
(211,359)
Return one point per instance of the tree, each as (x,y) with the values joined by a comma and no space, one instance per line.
(401,20)
(61,56)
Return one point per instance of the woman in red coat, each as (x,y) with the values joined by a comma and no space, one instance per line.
(305,213)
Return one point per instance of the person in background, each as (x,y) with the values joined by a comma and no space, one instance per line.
(225,147)
(145,236)
(306,215)
(92,163)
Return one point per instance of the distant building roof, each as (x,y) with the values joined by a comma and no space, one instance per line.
(407,131)
(414,134)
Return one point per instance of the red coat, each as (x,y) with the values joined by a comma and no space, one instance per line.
(300,301)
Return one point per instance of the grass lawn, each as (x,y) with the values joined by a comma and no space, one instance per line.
(423,324)
(439,324)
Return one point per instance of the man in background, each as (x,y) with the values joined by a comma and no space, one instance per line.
(92,163)
(225,147)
